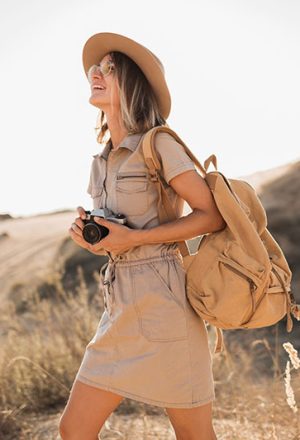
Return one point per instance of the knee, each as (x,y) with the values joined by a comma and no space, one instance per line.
(70,430)
(182,434)
(65,429)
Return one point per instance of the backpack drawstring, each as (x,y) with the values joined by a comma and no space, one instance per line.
(292,307)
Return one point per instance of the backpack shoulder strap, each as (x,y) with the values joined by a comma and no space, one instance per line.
(167,211)
(151,156)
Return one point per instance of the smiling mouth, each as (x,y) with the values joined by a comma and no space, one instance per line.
(96,87)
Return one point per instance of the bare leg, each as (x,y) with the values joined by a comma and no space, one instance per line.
(86,411)
(192,423)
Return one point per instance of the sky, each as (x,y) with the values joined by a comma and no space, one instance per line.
(232,68)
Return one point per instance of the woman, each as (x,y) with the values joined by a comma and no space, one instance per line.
(149,345)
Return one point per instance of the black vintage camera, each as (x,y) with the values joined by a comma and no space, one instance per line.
(92,232)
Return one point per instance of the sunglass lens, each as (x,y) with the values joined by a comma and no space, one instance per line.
(106,68)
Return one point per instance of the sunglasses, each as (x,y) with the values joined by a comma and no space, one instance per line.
(105,68)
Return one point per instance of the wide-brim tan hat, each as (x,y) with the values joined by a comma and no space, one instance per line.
(99,45)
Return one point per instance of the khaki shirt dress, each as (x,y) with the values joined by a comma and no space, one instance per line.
(149,345)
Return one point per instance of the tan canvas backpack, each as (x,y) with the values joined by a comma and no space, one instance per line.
(238,277)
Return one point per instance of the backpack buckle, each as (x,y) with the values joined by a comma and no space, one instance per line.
(154,176)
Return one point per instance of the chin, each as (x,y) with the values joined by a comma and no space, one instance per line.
(95,103)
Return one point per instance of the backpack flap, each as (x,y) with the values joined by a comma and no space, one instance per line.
(236,216)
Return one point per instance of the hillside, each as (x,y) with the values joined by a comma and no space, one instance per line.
(29,247)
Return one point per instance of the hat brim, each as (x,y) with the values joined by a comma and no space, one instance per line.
(99,45)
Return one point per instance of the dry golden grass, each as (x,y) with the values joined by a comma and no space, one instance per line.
(42,348)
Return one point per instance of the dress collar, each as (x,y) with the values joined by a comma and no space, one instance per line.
(131,141)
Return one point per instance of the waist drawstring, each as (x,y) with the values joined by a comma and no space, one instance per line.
(107,273)
(108,277)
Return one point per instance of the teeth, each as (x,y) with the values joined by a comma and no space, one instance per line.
(99,87)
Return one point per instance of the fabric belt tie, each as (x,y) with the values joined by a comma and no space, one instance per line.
(108,274)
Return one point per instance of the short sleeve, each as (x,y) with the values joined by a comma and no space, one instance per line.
(172,156)
(89,187)
(93,176)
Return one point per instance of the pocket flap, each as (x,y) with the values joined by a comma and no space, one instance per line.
(132,181)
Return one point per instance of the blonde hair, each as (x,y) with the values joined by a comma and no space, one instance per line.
(138,106)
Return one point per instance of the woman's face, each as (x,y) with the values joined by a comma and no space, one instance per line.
(108,98)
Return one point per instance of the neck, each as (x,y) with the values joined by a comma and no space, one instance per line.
(117,131)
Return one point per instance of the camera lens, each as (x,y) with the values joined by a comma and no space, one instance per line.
(91,233)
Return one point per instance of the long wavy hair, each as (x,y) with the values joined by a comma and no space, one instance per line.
(138,106)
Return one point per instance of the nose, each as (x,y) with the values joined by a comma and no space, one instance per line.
(95,74)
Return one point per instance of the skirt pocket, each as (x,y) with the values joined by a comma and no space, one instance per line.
(160,301)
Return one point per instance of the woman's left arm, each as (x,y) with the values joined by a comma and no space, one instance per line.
(204,218)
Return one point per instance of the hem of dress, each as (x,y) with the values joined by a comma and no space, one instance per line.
(123,393)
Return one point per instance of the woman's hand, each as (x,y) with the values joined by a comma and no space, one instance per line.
(75,232)
(120,237)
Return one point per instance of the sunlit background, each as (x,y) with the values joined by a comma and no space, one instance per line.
(233,70)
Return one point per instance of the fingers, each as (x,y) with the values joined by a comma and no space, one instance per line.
(81,212)
(94,249)
(77,228)
(79,220)
(102,221)
(78,238)
(75,236)
(79,223)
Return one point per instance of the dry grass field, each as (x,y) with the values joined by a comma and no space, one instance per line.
(43,346)
(50,307)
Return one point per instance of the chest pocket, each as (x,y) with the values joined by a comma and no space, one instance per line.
(132,192)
